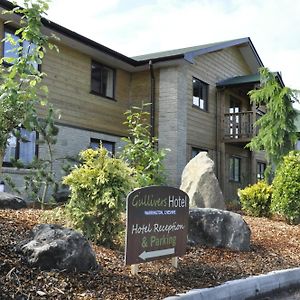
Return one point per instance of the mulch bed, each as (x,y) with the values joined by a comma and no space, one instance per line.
(274,245)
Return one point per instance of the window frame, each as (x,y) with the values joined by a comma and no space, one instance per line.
(98,93)
(11,30)
(259,175)
(98,141)
(201,86)
(17,153)
(232,171)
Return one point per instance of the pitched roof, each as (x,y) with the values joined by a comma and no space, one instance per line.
(238,80)
(188,54)
(246,79)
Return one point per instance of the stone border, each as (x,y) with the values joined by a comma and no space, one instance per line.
(245,288)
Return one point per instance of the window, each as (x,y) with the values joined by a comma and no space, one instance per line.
(196,151)
(24,148)
(10,47)
(109,146)
(235,122)
(200,94)
(102,80)
(260,172)
(234,169)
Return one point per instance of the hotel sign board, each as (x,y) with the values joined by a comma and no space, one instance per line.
(157,224)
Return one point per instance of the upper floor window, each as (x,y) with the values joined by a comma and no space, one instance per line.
(235,169)
(102,80)
(261,167)
(22,148)
(11,47)
(200,94)
(109,146)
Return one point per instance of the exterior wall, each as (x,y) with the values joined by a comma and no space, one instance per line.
(210,68)
(173,120)
(68,79)
(70,141)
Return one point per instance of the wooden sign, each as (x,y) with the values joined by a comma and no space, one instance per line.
(157,224)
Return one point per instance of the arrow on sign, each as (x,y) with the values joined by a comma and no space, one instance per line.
(145,255)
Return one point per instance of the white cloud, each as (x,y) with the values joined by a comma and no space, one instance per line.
(142,26)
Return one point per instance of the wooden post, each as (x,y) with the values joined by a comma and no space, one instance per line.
(174,261)
(134,269)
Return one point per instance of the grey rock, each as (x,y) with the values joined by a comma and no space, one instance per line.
(10,201)
(218,228)
(201,184)
(56,247)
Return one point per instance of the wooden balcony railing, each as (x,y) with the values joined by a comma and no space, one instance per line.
(238,127)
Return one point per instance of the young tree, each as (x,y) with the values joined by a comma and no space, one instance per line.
(21,91)
(277,131)
(140,150)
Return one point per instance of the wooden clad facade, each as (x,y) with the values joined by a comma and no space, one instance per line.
(180,125)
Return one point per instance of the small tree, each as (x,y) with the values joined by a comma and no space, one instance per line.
(99,186)
(286,188)
(141,150)
(21,90)
(277,131)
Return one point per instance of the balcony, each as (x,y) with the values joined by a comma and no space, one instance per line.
(238,127)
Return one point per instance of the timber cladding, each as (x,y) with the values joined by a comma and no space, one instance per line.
(69,82)
(210,68)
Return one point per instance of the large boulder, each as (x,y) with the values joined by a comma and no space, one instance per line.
(56,247)
(11,201)
(218,228)
(201,184)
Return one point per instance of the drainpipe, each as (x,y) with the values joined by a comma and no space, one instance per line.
(152,98)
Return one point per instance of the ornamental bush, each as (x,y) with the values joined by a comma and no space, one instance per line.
(286,188)
(98,187)
(256,199)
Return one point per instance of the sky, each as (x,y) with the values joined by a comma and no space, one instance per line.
(134,27)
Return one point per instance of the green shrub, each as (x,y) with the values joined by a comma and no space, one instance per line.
(286,188)
(256,199)
(98,188)
(140,150)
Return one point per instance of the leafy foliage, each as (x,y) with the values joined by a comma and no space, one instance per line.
(141,150)
(21,91)
(286,191)
(98,188)
(256,199)
(277,131)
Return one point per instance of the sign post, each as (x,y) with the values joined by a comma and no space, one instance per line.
(157,225)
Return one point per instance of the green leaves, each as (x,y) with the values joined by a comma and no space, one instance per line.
(141,151)
(286,195)
(256,199)
(276,129)
(20,91)
(98,190)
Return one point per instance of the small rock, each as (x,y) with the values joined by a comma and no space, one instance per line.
(56,247)
(10,201)
(218,228)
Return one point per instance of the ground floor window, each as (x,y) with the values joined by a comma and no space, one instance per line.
(109,146)
(235,169)
(196,151)
(22,147)
(260,170)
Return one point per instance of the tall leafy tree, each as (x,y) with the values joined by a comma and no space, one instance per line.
(277,131)
(21,89)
